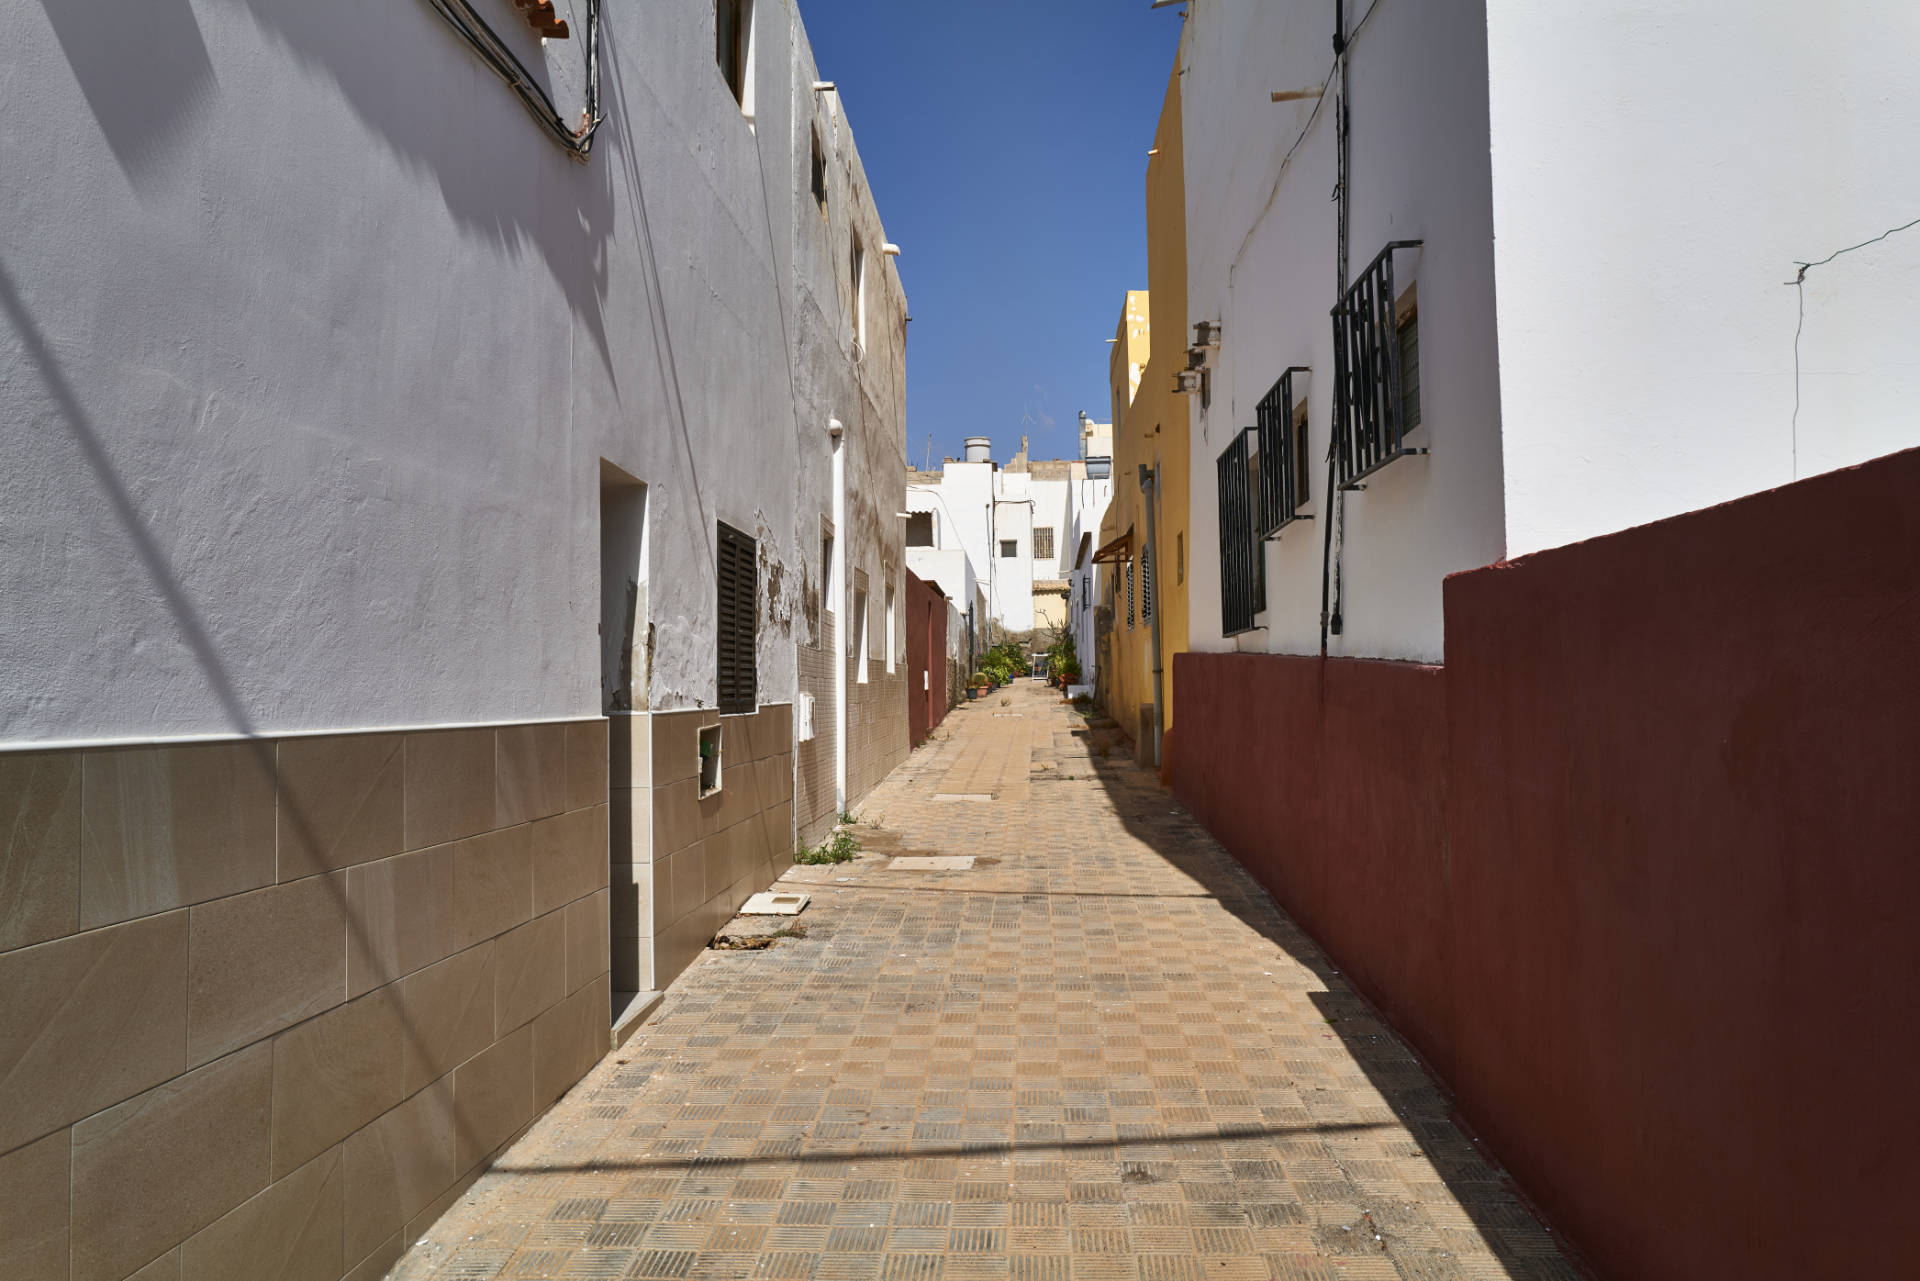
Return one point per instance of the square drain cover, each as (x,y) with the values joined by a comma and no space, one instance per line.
(942,863)
(772,904)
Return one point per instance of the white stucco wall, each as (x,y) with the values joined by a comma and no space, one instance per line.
(311,345)
(1657,173)
(1262,259)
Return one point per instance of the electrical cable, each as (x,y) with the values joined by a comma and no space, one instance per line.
(503,62)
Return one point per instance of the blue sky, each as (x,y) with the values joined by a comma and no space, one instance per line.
(1006,144)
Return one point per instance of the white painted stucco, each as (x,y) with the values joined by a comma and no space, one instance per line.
(1613,203)
(311,346)
(1658,171)
(1261,239)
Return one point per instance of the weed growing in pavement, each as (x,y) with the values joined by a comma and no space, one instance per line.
(839,848)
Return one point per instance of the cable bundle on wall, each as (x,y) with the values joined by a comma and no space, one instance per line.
(493,51)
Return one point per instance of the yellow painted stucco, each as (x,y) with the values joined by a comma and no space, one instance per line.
(1150,426)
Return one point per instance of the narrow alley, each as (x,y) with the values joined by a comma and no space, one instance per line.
(1100,1054)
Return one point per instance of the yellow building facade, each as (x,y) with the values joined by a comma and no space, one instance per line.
(1150,427)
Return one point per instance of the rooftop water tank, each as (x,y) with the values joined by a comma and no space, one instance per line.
(979,449)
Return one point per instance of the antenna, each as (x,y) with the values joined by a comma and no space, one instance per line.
(927,465)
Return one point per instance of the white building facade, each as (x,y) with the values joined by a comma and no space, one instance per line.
(1595,290)
(1018,528)
(424,612)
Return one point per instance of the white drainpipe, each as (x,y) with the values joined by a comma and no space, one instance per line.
(838,574)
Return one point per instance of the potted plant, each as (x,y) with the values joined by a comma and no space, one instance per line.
(977,686)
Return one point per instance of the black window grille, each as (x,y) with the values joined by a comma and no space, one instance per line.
(1129,595)
(1369,415)
(1240,544)
(1146,584)
(1283,462)
(738,621)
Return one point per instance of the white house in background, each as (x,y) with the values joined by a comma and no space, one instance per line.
(1017,526)
(1624,349)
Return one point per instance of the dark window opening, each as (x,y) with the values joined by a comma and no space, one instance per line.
(1371,390)
(920,529)
(738,621)
(1242,589)
(1409,340)
(819,175)
(732,27)
(1009,549)
(1281,442)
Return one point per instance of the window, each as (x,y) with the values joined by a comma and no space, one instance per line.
(819,174)
(738,622)
(1009,548)
(829,591)
(733,48)
(1281,445)
(857,640)
(1241,548)
(1180,557)
(1129,595)
(1372,392)
(1408,335)
(920,529)
(891,635)
(1146,584)
(859,292)
(1043,543)
(1302,473)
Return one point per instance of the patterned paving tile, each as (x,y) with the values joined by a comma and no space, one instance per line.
(1100,1055)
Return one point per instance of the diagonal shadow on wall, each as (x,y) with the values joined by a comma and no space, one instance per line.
(145,73)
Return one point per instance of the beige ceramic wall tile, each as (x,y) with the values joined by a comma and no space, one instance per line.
(630,907)
(334,1074)
(152,1171)
(531,773)
(569,857)
(676,744)
(586,940)
(401,917)
(529,971)
(630,826)
(90,1020)
(34,1209)
(419,1223)
(164,1268)
(569,1039)
(396,1166)
(663,901)
(39,847)
(630,751)
(492,885)
(678,948)
(377,1264)
(290,1232)
(632,964)
(163,827)
(340,802)
(689,879)
(586,764)
(448,1014)
(492,1097)
(260,962)
(450,778)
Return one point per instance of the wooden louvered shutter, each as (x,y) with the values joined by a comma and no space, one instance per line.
(738,621)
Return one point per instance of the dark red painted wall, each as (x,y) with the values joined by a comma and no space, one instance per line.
(926,658)
(1644,882)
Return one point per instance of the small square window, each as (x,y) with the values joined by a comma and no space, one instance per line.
(1009,549)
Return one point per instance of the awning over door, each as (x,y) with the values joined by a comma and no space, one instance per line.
(1119,549)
